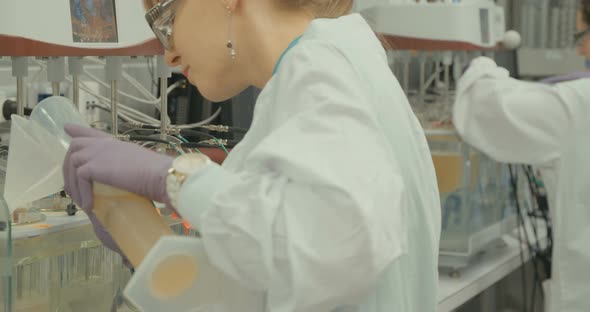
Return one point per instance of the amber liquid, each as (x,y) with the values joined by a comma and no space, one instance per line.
(450,168)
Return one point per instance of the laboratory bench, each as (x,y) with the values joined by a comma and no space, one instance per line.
(493,265)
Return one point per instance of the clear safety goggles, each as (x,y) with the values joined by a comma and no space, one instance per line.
(161,21)
(579,37)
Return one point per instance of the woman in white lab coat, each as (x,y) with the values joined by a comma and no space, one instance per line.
(547,126)
(330,202)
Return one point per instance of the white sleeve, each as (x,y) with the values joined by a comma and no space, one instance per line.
(316,217)
(508,119)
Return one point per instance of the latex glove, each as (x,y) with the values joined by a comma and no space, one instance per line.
(568,77)
(95,156)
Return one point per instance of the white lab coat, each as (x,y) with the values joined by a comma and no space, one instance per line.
(330,202)
(549,127)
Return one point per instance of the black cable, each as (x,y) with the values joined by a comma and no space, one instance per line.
(540,199)
(227,129)
(139,131)
(534,221)
(195,133)
(143,138)
(197,145)
(238,130)
(515,190)
(535,192)
(143,126)
(542,202)
(543,256)
(537,258)
(203,145)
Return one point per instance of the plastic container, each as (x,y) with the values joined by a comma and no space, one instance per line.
(132,221)
(474,195)
(54,113)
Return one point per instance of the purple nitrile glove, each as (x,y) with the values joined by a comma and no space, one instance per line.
(95,156)
(568,77)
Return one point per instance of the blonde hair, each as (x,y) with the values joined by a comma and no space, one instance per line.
(319,8)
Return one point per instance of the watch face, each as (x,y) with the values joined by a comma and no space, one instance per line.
(190,162)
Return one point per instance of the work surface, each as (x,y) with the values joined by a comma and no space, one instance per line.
(491,267)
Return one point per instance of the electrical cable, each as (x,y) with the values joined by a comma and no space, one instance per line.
(543,256)
(154,101)
(535,256)
(223,129)
(198,145)
(139,87)
(186,132)
(134,116)
(206,144)
(540,258)
(185,141)
(141,138)
(139,116)
(513,182)
(200,123)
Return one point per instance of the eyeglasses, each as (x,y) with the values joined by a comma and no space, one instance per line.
(161,21)
(580,36)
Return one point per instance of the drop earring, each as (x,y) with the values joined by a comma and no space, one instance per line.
(230,44)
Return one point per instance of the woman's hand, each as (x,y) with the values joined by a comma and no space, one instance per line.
(95,156)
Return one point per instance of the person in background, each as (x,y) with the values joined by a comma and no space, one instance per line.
(547,126)
(330,202)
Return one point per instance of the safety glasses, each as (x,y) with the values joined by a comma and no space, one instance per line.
(580,36)
(161,21)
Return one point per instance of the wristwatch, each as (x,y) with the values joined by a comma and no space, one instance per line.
(182,167)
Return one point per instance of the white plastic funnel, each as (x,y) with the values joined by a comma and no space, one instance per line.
(37,150)
(34,168)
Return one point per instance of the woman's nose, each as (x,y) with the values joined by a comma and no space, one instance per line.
(172,58)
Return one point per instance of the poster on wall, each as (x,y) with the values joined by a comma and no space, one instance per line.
(94,21)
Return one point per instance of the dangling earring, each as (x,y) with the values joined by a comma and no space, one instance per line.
(230,44)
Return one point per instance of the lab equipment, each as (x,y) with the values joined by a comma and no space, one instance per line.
(477,208)
(77,28)
(548,28)
(460,25)
(475,192)
(83,28)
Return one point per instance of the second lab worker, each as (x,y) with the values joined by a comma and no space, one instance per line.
(549,127)
(330,202)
